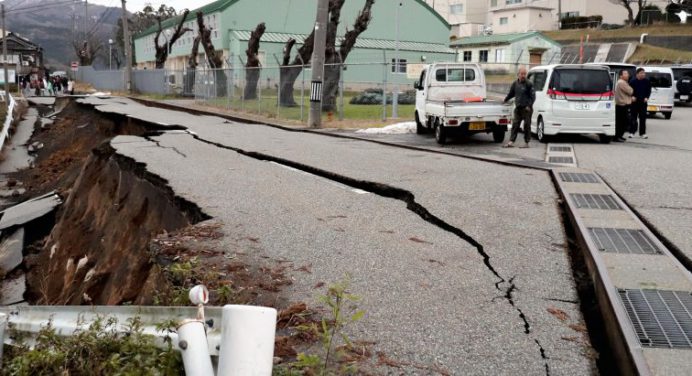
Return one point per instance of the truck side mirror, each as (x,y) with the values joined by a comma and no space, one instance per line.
(416,85)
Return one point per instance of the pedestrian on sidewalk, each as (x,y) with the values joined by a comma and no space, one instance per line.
(640,100)
(623,102)
(70,86)
(523,90)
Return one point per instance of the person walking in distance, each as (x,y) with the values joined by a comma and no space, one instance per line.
(522,89)
(642,91)
(623,101)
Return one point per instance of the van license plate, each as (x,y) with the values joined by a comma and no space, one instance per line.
(684,97)
(477,126)
(583,106)
(652,108)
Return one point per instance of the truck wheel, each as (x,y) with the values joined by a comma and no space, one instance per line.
(540,132)
(440,134)
(420,128)
(499,135)
(668,115)
(605,139)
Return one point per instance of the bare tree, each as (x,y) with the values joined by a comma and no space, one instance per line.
(88,50)
(334,58)
(631,20)
(214,58)
(252,71)
(163,51)
(190,73)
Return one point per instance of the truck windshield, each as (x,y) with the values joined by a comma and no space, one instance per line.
(455,75)
(581,81)
(659,79)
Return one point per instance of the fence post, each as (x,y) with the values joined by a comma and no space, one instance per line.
(384,86)
(242,87)
(259,93)
(341,86)
(278,90)
(247,340)
(302,89)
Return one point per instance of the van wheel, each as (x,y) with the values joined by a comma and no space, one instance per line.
(440,133)
(420,128)
(605,139)
(540,131)
(499,135)
(668,115)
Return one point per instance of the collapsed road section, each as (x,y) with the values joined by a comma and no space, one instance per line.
(447,278)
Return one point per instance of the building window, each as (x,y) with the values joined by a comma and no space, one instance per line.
(509,2)
(483,56)
(402,66)
(504,20)
(493,3)
(499,56)
(468,55)
(456,8)
(569,15)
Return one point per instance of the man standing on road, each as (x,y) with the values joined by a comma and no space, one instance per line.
(523,90)
(623,101)
(642,91)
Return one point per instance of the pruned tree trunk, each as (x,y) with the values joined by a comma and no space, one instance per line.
(190,74)
(214,58)
(285,76)
(289,74)
(252,67)
(334,58)
(163,51)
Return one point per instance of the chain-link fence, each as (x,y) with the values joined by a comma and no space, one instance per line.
(352,92)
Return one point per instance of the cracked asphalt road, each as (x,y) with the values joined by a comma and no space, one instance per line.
(453,311)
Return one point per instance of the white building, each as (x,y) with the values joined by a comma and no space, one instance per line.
(472,17)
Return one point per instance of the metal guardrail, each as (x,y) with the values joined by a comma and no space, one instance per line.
(242,337)
(4,133)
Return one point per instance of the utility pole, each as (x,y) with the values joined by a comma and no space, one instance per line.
(128,51)
(315,118)
(559,14)
(4,58)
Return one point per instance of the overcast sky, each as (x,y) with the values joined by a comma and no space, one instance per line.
(135,5)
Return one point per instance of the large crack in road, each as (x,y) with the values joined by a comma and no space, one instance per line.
(388,191)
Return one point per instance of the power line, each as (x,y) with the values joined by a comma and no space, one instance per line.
(42,6)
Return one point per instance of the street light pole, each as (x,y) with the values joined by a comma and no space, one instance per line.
(4,59)
(395,96)
(315,118)
(128,50)
(110,54)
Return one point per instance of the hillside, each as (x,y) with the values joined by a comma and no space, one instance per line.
(49,23)
(567,36)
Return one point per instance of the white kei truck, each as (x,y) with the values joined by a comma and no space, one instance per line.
(451,98)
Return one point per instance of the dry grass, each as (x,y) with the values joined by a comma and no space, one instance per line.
(627,32)
(659,55)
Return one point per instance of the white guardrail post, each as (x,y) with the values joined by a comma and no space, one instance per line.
(247,341)
(3,323)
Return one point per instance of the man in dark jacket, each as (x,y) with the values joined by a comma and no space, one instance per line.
(640,100)
(523,90)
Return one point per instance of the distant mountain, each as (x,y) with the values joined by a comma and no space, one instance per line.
(50,23)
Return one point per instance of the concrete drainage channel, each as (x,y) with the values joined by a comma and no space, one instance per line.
(643,290)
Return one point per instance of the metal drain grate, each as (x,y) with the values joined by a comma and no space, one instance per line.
(561,149)
(567,160)
(589,201)
(620,240)
(574,177)
(660,318)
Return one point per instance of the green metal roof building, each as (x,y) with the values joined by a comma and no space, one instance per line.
(423,34)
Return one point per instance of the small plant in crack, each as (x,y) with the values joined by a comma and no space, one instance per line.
(332,359)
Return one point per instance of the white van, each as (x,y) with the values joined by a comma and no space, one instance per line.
(573,99)
(662,92)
